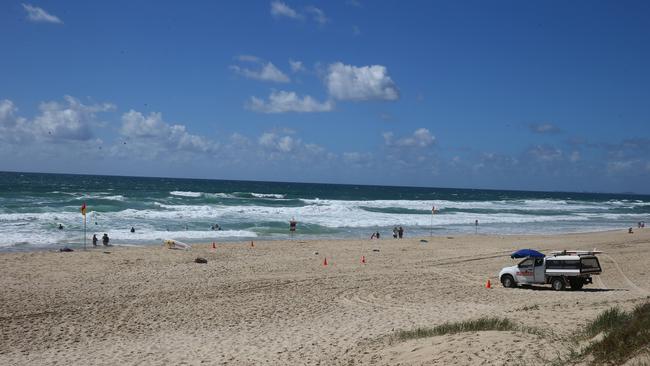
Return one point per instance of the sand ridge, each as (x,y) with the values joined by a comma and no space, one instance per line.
(276,304)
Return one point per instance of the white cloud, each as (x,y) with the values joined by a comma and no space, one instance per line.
(357,158)
(420,138)
(283,144)
(268,72)
(545,153)
(153,134)
(60,122)
(575,156)
(71,121)
(7,111)
(283,101)
(614,167)
(36,14)
(135,124)
(239,139)
(542,128)
(318,15)
(279,9)
(273,141)
(296,66)
(248,58)
(347,82)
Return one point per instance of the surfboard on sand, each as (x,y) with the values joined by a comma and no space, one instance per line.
(175,244)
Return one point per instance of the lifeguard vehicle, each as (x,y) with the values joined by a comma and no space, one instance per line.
(573,268)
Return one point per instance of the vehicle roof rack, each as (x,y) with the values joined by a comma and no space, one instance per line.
(576,252)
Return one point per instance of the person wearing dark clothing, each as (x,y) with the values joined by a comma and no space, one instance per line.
(105,239)
(132,229)
(400,232)
(95,240)
(60,226)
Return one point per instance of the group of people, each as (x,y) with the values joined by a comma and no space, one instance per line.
(398,232)
(105,240)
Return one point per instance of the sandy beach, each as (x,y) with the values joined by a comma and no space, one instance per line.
(277,304)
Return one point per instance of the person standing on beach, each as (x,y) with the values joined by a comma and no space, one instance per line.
(105,239)
(394,232)
(292,226)
(95,240)
(400,232)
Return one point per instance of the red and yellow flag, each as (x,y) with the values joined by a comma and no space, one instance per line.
(83,209)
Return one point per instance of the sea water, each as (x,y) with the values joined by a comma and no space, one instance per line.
(33,205)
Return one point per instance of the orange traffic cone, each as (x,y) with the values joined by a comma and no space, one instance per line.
(488,284)
(363,259)
(325,261)
(214,245)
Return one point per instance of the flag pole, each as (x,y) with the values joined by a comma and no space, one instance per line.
(83,212)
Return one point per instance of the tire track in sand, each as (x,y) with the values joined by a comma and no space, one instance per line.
(631,284)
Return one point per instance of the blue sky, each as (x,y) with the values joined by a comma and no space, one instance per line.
(533,95)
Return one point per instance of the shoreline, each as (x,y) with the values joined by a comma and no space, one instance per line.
(278,303)
(25,248)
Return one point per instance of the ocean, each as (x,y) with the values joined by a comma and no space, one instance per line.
(32,206)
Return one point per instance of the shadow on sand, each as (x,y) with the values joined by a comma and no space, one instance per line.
(542,288)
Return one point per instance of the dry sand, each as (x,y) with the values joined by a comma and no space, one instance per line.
(277,304)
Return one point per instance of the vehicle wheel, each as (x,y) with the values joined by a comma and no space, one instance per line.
(508,281)
(576,284)
(558,284)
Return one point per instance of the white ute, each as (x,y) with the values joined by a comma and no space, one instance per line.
(561,268)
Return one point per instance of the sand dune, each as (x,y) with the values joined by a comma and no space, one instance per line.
(277,304)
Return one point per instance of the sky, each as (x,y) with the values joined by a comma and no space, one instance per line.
(527,95)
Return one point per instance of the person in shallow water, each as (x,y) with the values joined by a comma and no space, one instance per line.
(105,239)
(60,226)
(95,240)
(132,229)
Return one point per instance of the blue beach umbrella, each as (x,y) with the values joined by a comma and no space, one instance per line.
(525,253)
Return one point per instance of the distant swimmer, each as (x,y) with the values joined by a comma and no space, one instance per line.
(132,229)
(60,226)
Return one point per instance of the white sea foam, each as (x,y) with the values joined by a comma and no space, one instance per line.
(268,195)
(39,228)
(185,193)
(153,235)
(219,195)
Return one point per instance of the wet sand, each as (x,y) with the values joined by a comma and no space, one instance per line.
(277,304)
